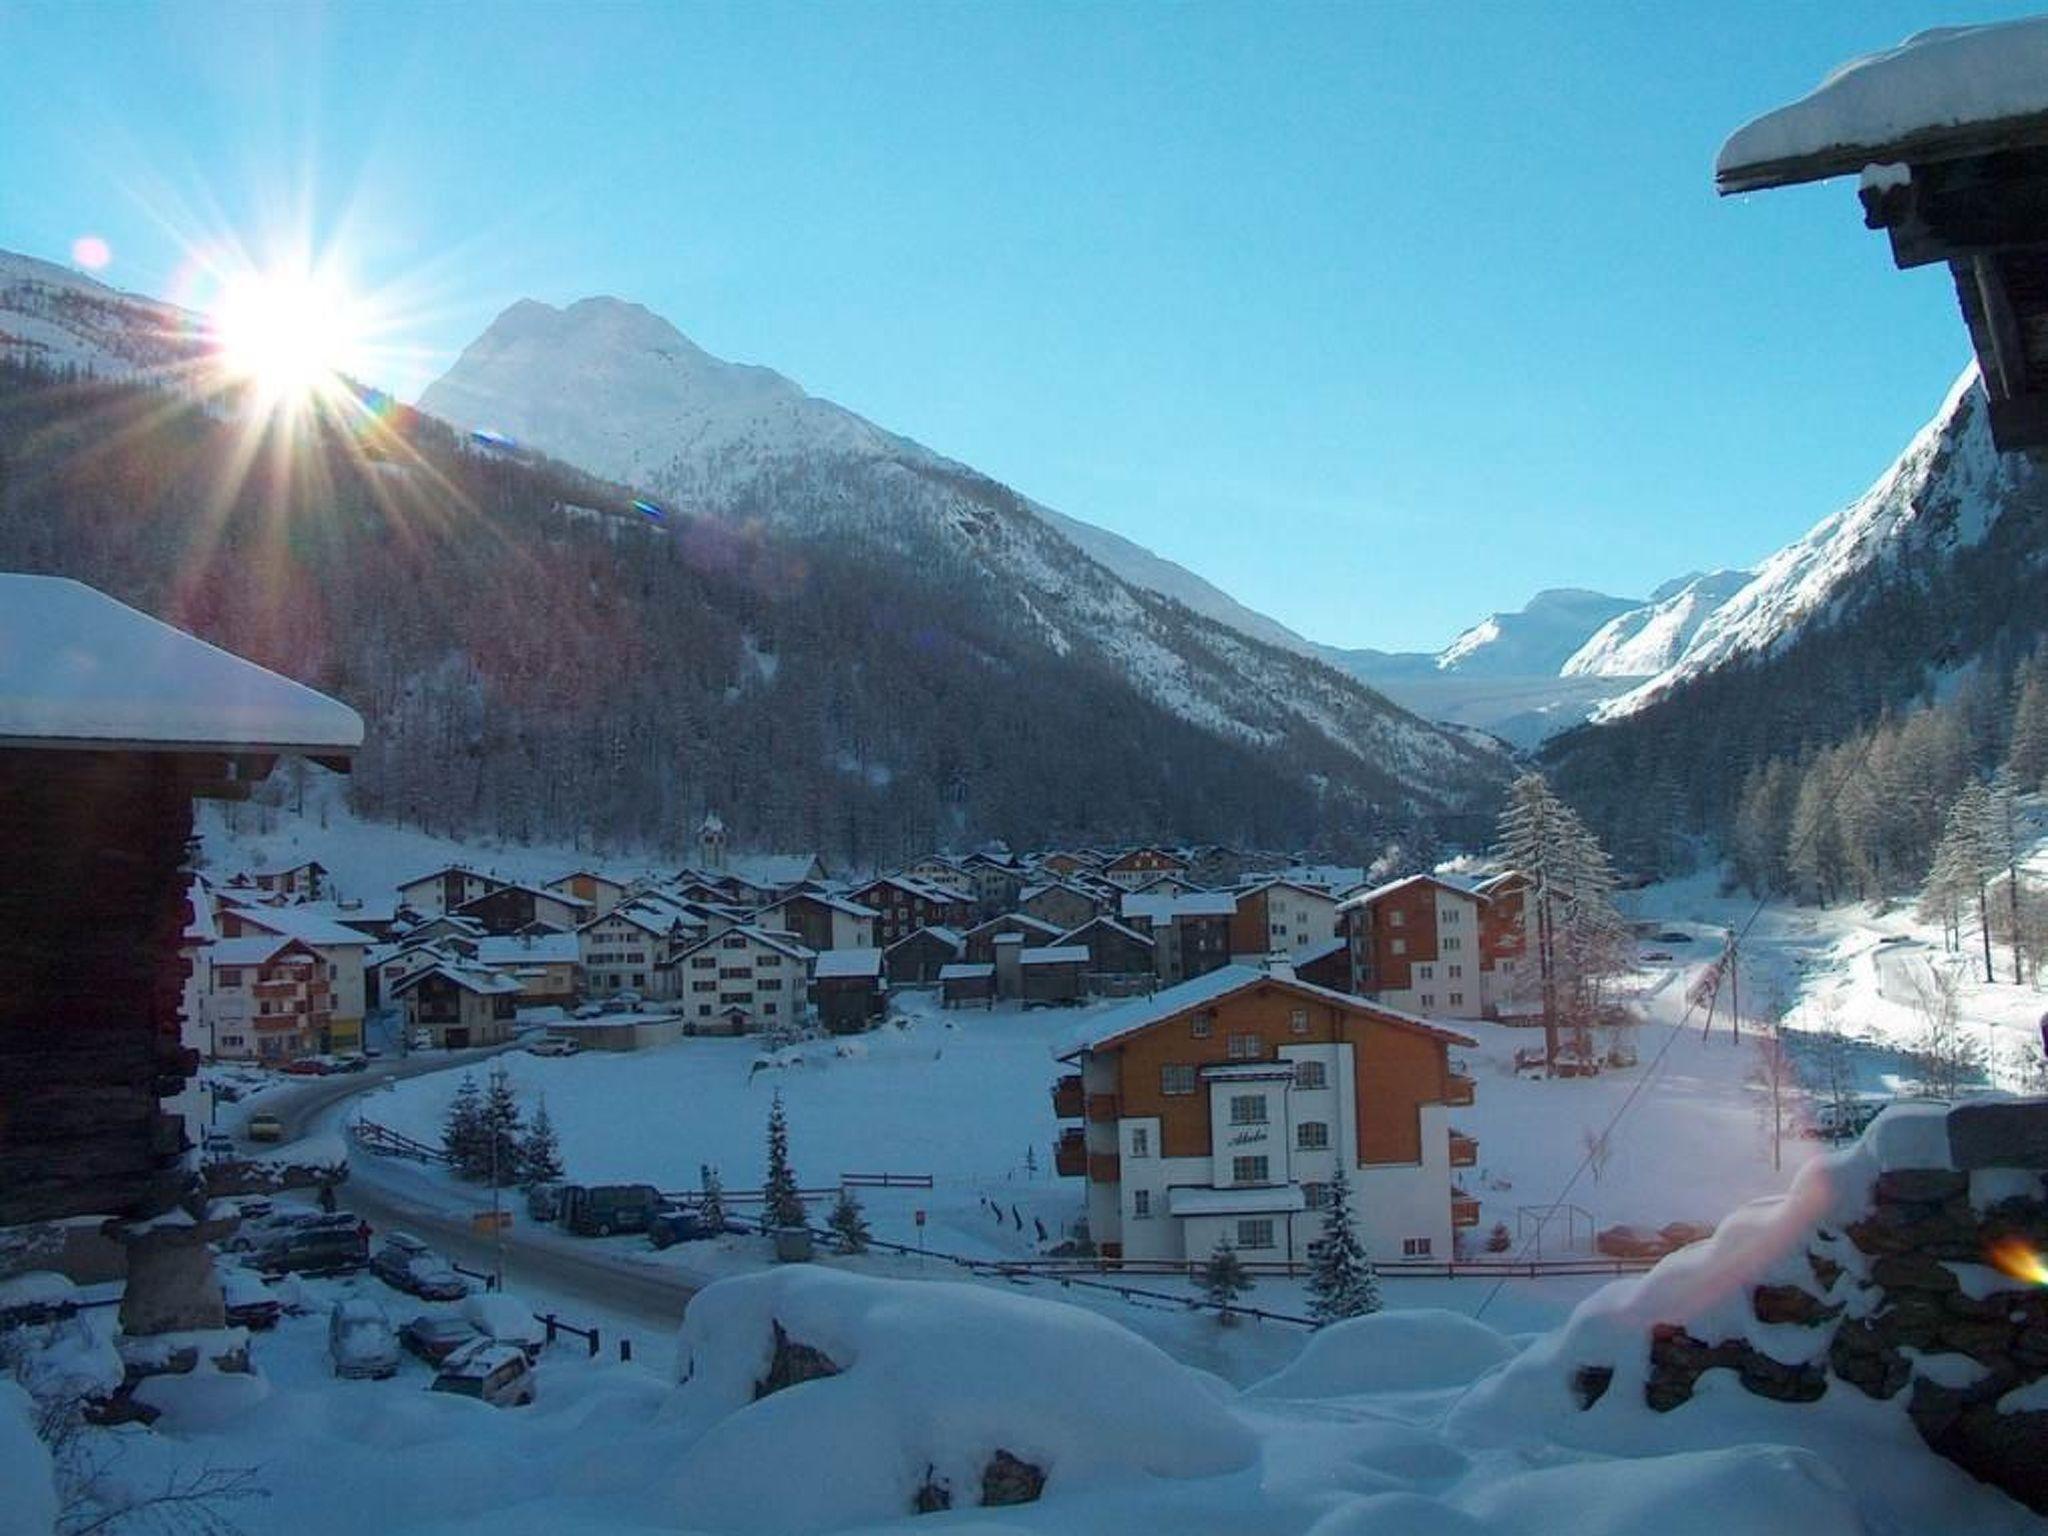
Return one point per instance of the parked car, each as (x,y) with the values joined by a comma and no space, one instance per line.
(250,1303)
(360,1338)
(507,1320)
(674,1224)
(551,1045)
(310,1243)
(544,1200)
(498,1374)
(306,1066)
(435,1337)
(602,1209)
(1674,936)
(421,1040)
(1682,1234)
(1655,954)
(356,1063)
(1630,1243)
(587,1011)
(254,1207)
(407,1264)
(264,1126)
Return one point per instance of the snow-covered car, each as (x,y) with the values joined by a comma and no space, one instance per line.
(361,1340)
(506,1320)
(250,1303)
(552,1046)
(306,1066)
(436,1336)
(265,1127)
(587,1011)
(498,1374)
(1654,954)
(355,1063)
(407,1264)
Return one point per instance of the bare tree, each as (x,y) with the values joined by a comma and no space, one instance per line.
(1945,1057)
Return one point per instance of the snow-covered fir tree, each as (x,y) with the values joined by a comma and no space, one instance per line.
(712,1199)
(499,1133)
(1341,1280)
(462,1130)
(849,1222)
(782,1206)
(1224,1279)
(540,1150)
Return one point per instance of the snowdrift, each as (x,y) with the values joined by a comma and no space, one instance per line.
(1423,1350)
(928,1383)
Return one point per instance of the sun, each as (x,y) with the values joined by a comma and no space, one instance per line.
(287,333)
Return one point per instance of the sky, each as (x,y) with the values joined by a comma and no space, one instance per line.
(1380,316)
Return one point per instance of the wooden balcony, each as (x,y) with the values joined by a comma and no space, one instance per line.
(1464,1150)
(1070,1154)
(1464,1209)
(1102,1107)
(1067,1099)
(1459,1089)
(1105,1167)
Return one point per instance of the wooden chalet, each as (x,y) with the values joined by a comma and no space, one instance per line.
(1121,960)
(111,723)
(516,908)
(981,938)
(915,959)
(846,989)
(966,982)
(1949,132)
(1054,975)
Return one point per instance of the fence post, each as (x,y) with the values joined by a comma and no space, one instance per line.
(625,1351)
(596,1343)
(550,1321)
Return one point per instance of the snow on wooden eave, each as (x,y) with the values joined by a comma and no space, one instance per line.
(78,669)
(1942,93)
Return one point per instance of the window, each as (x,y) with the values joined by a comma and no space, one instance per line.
(1175,1077)
(737,941)
(1297,1021)
(1449,916)
(1246,1048)
(768,1008)
(1398,947)
(1425,973)
(703,986)
(1141,1141)
(1454,971)
(1454,942)
(771,984)
(1201,1024)
(1316,1196)
(227,978)
(1311,1074)
(1415,1247)
(1248,1109)
(1141,1203)
(1248,1170)
(1429,999)
(700,963)
(1255,1232)
(703,1010)
(1312,1135)
(1457,999)
(1397,918)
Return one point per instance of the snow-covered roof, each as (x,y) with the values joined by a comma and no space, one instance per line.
(498,887)
(77,667)
(782,943)
(1165,908)
(1941,92)
(1308,954)
(1193,1200)
(1114,927)
(1055,954)
(250,949)
(848,963)
(1018,923)
(966,971)
(947,936)
(1381,892)
(529,949)
(312,927)
(480,979)
(824,899)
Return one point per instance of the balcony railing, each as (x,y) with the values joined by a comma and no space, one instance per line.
(1464,1209)
(1464,1150)
(1102,1107)
(1070,1154)
(1067,1098)
(1459,1089)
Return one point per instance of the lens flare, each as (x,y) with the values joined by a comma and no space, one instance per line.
(91,252)
(2021,1260)
(288,332)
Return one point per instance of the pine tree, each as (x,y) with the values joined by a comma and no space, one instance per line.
(783,1205)
(2027,749)
(1579,935)
(462,1131)
(1341,1279)
(540,1151)
(849,1222)
(713,1199)
(499,1139)
(1224,1279)
(1966,859)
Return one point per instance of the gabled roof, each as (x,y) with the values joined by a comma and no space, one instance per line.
(782,943)
(499,887)
(944,935)
(966,970)
(79,669)
(298,923)
(841,964)
(251,949)
(1141,1014)
(1380,892)
(584,874)
(1147,852)
(1015,922)
(534,949)
(823,899)
(1114,927)
(1165,908)
(1055,954)
(479,979)
(446,870)
(1268,882)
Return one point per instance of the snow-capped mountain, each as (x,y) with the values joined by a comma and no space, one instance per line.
(616,390)
(1942,493)
(1646,640)
(52,317)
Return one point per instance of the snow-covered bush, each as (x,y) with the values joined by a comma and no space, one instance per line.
(900,1386)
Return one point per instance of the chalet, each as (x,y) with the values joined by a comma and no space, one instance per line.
(459,1004)
(1061,903)
(964,982)
(1163,885)
(1190,933)
(340,948)
(447,889)
(742,980)
(1277,917)
(981,938)
(820,920)
(271,999)
(295,882)
(1326,965)
(914,960)
(598,893)
(846,989)
(1120,959)
(1054,975)
(110,724)
(903,905)
(1212,864)
(515,908)
(1221,1109)
(547,966)
(1133,869)
(755,879)
(1949,135)
(1415,946)
(1511,987)
(1064,865)
(621,951)
(994,881)
(938,869)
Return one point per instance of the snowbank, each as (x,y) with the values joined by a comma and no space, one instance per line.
(1390,1352)
(28,1507)
(202,1399)
(1942,78)
(1758,1490)
(933,1380)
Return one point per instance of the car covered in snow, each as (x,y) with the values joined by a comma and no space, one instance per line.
(264,1126)
(361,1341)
(434,1336)
(554,1045)
(305,1243)
(507,1320)
(494,1373)
(406,1263)
(250,1303)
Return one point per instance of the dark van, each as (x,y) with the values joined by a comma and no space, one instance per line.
(599,1210)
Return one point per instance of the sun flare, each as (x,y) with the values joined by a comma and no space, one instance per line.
(289,334)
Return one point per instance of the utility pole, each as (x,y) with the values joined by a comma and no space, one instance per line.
(497,1210)
(1735,997)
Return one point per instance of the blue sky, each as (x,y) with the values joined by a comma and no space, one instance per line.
(1381,316)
